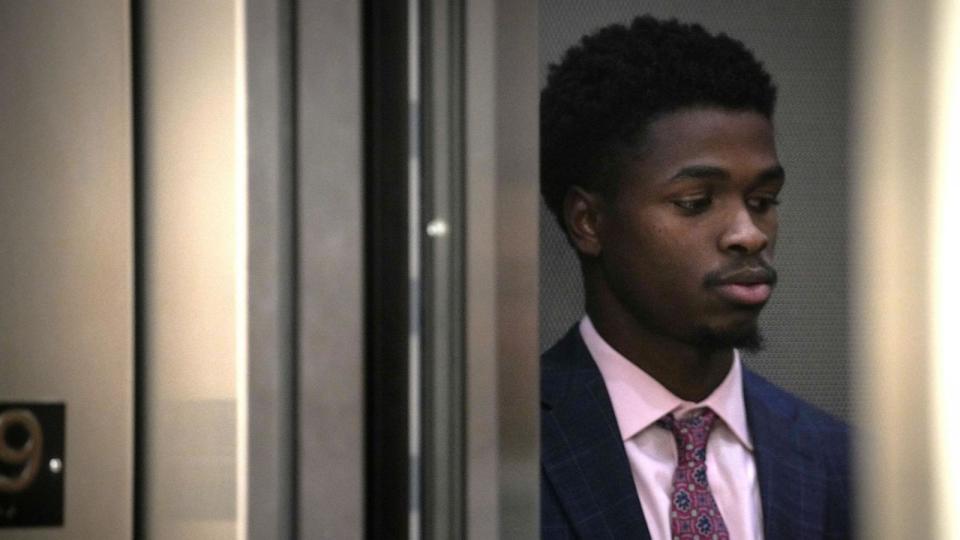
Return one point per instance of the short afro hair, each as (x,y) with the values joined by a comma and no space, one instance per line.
(604,93)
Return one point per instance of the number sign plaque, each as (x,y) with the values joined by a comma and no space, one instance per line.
(32,464)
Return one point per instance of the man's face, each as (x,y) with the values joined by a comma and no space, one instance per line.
(687,240)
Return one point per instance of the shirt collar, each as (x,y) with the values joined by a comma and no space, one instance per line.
(639,400)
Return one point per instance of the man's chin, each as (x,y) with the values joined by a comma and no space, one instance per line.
(746,339)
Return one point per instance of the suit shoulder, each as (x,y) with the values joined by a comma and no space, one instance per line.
(569,352)
(567,360)
(808,416)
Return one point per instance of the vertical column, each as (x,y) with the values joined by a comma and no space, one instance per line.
(501,261)
(441,230)
(192,285)
(904,316)
(332,255)
(268,420)
(391,323)
(944,204)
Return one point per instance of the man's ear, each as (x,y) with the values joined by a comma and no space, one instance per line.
(582,215)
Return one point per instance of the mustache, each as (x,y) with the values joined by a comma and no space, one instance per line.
(750,271)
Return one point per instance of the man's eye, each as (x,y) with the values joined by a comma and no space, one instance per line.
(694,205)
(763,202)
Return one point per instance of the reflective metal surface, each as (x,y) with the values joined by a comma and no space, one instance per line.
(441,233)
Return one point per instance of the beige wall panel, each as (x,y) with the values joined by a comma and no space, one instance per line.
(66,244)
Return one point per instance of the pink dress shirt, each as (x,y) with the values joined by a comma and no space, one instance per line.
(639,401)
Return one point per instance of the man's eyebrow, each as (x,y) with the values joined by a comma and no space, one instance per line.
(701,172)
(709,171)
(773,173)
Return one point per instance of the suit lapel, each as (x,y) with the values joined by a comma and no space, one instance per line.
(791,481)
(582,455)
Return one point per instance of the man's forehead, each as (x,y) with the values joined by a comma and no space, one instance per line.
(708,136)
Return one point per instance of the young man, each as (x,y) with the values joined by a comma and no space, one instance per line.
(658,160)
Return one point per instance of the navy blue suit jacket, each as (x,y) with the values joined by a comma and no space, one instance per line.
(587,489)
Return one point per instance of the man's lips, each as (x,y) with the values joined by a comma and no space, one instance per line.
(746,285)
(749,294)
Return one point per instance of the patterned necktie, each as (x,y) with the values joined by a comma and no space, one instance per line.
(693,511)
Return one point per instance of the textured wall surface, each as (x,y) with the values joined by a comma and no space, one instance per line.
(805,325)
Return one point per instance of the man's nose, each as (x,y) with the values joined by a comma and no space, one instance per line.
(742,235)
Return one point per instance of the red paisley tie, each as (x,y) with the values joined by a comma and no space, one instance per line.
(693,510)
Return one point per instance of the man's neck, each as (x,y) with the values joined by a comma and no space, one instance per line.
(685,370)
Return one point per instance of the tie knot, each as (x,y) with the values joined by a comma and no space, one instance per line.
(691,433)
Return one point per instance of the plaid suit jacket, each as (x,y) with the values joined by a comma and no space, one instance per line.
(587,489)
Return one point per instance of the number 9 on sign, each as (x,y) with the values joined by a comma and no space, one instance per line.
(21,446)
